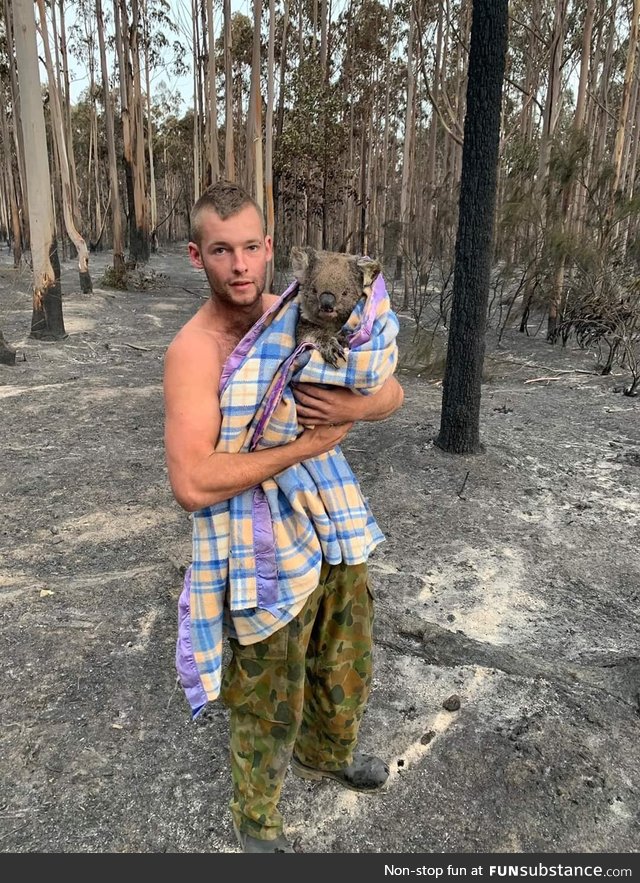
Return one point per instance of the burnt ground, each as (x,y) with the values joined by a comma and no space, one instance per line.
(510,579)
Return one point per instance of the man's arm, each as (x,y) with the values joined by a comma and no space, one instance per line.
(317,405)
(199,475)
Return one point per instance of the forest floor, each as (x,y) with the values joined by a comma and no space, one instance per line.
(510,578)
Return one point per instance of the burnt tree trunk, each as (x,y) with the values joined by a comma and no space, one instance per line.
(460,417)
(46,319)
(47,322)
(7,353)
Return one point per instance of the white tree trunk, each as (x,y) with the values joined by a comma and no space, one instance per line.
(403,239)
(46,322)
(212,104)
(118,230)
(268,159)
(229,156)
(57,124)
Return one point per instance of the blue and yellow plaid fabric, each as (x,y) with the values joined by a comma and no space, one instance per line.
(257,556)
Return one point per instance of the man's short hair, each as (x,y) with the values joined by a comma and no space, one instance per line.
(225,199)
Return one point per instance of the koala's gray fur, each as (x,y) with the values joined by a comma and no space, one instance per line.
(330,285)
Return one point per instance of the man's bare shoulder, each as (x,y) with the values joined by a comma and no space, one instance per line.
(204,336)
(195,345)
(193,333)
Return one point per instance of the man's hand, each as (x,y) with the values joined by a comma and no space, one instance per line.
(322,438)
(317,405)
(326,406)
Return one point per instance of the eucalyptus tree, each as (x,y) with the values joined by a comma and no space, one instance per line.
(243,49)
(60,135)
(198,102)
(350,104)
(114,186)
(229,152)
(17,129)
(384,158)
(212,99)
(269,133)
(47,320)
(161,46)
(64,89)
(7,352)
(127,41)
(254,170)
(573,152)
(407,152)
(10,182)
(460,416)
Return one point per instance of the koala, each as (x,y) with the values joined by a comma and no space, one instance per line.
(330,285)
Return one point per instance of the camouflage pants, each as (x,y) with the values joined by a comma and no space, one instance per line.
(304,687)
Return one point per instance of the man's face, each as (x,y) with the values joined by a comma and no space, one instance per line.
(233,254)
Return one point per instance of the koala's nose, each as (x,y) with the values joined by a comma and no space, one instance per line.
(327,302)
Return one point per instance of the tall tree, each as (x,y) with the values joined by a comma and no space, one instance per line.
(153,201)
(253,164)
(568,185)
(405,193)
(128,51)
(229,154)
(197,102)
(7,353)
(460,417)
(65,95)
(212,102)
(621,130)
(60,140)
(46,321)
(268,158)
(17,124)
(114,188)
(16,232)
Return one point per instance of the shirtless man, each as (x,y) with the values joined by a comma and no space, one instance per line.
(229,244)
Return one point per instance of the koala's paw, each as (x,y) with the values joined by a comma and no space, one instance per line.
(333,351)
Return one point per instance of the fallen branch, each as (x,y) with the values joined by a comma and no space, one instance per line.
(134,346)
(546,367)
(196,293)
(463,484)
(19,828)
(541,379)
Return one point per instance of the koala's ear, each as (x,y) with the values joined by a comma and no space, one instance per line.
(370,269)
(300,260)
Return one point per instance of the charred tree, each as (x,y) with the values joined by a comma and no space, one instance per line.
(7,353)
(460,417)
(114,187)
(46,320)
(59,138)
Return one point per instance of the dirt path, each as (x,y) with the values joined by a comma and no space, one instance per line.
(511,579)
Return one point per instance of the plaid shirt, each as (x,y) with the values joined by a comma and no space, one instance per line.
(257,556)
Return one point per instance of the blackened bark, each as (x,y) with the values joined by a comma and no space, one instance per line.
(7,353)
(139,246)
(85,282)
(47,322)
(131,207)
(460,418)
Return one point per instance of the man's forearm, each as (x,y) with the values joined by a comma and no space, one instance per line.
(221,476)
(384,402)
